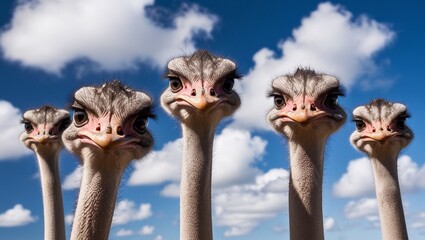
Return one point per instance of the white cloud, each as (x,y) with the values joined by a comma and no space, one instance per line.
(124,233)
(232,163)
(73,180)
(69,219)
(329,224)
(241,208)
(113,34)
(171,190)
(235,152)
(364,208)
(11,128)
(17,216)
(147,230)
(358,180)
(329,40)
(159,166)
(159,237)
(411,176)
(243,195)
(419,221)
(126,212)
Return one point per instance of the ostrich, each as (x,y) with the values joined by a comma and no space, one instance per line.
(381,133)
(306,112)
(43,129)
(200,94)
(109,129)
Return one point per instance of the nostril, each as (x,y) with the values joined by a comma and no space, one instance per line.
(313,107)
(389,129)
(373,130)
(294,107)
(98,127)
(193,93)
(212,92)
(381,129)
(120,131)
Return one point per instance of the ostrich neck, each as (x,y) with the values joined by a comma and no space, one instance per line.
(305,188)
(54,226)
(393,225)
(195,197)
(96,201)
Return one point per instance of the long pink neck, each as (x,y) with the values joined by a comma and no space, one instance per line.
(393,225)
(195,189)
(96,202)
(54,226)
(305,188)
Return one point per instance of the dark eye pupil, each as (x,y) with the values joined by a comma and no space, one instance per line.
(279,101)
(28,127)
(360,125)
(175,84)
(140,124)
(332,101)
(401,123)
(80,117)
(228,85)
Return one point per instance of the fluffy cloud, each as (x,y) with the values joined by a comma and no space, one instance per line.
(241,208)
(419,221)
(113,34)
(126,212)
(329,224)
(147,230)
(235,151)
(159,166)
(73,180)
(358,180)
(364,208)
(11,128)
(124,233)
(17,216)
(329,40)
(69,219)
(232,162)
(243,195)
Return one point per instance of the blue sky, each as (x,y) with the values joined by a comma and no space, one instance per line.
(51,48)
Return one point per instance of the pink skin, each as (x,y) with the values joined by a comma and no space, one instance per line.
(98,132)
(379,131)
(39,134)
(304,110)
(203,99)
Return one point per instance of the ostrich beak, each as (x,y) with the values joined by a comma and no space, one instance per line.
(200,102)
(103,140)
(41,138)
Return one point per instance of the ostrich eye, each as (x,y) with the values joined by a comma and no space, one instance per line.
(28,127)
(80,117)
(175,84)
(401,123)
(228,85)
(64,124)
(279,101)
(140,124)
(360,125)
(331,101)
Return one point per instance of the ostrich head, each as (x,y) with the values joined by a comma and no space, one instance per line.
(201,85)
(44,127)
(306,102)
(381,126)
(110,123)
